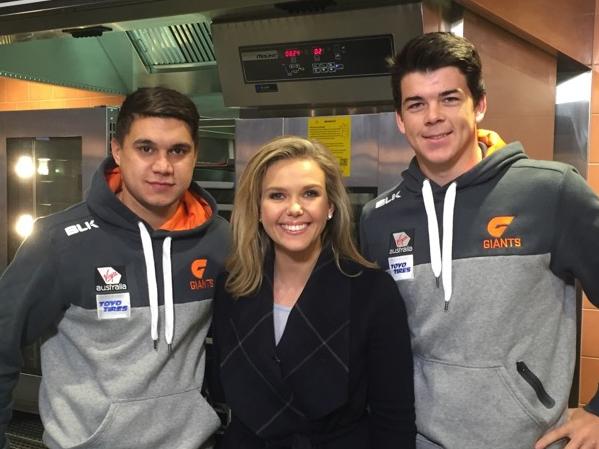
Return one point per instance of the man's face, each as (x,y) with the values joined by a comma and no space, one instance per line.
(156,159)
(438,117)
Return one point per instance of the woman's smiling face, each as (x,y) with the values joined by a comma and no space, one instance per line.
(294,207)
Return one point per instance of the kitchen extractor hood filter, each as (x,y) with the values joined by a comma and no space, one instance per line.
(337,58)
(174,47)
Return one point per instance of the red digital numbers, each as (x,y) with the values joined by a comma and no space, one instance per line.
(292,53)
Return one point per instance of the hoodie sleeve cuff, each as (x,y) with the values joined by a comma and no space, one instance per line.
(593,405)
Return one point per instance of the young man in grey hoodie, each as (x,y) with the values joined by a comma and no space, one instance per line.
(120,289)
(484,245)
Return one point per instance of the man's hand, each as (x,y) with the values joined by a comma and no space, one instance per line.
(582,429)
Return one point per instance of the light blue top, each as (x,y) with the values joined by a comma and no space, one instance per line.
(281,313)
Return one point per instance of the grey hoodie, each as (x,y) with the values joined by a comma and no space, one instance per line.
(489,290)
(120,370)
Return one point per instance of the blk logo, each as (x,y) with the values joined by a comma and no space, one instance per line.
(76,229)
(387,200)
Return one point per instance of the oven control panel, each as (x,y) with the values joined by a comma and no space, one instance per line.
(321,59)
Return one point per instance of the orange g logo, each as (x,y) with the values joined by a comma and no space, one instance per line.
(498,225)
(198,267)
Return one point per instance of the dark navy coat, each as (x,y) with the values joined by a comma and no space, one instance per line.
(341,375)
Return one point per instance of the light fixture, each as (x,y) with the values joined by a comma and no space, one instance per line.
(42,166)
(24,167)
(575,89)
(24,225)
(457,27)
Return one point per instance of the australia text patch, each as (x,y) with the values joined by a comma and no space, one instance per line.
(110,279)
(401,242)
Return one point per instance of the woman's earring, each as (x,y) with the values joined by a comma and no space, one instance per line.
(330,214)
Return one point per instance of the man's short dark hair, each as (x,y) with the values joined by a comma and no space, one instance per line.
(157,102)
(433,51)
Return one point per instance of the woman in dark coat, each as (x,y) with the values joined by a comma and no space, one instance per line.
(312,341)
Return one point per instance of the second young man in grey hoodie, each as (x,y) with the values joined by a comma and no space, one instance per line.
(484,245)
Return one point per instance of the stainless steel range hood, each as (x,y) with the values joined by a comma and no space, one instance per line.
(117,56)
(134,43)
(129,43)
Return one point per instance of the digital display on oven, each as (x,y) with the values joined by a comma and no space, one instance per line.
(321,59)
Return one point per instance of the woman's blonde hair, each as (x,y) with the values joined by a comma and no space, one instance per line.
(251,244)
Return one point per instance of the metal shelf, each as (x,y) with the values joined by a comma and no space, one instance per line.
(216,184)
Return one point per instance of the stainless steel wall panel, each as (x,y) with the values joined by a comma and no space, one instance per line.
(250,135)
(572,134)
(295,126)
(379,153)
(395,152)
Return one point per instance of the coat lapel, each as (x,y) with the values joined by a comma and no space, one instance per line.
(314,349)
(252,321)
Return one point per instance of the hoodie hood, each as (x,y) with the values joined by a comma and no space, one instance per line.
(103,202)
(497,156)
(191,212)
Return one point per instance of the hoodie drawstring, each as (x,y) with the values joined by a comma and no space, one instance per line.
(169,313)
(169,310)
(433,229)
(441,264)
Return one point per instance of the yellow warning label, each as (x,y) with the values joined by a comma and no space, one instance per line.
(335,134)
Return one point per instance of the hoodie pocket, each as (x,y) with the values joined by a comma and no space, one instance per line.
(424,443)
(473,407)
(536,384)
(183,421)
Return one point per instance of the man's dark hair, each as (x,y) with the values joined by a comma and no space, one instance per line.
(157,102)
(433,51)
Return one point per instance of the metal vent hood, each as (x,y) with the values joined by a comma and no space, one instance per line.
(132,43)
(114,57)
